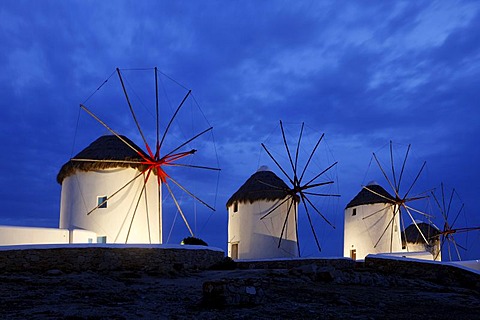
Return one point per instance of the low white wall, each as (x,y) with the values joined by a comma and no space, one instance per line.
(470,264)
(423,255)
(12,235)
(82,236)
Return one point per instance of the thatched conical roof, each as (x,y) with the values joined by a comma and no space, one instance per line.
(379,195)
(108,147)
(262,185)
(413,235)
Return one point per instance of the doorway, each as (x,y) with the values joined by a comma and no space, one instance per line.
(234,253)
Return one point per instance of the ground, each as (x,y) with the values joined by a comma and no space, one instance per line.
(288,295)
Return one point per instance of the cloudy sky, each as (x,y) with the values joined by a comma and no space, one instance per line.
(362,72)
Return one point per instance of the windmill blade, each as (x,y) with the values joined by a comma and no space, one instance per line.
(322,194)
(272,186)
(188,141)
(296,229)
(458,245)
(171,121)
(397,187)
(439,206)
(136,205)
(278,165)
(449,251)
(179,208)
(458,214)
(379,210)
(288,153)
(318,175)
(385,230)
(112,131)
(315,208)
(310,157)
(416,178)
(415,223)
(148,217)
(403,167)
(403,227)
(415,198)
(441,247)
(192,166)
(298,148)
(378,194)
(310,222)
(385,175)
(133,114)
(275,207)
(306,187)
(450,201)
(418,211)
(285,223)
(157,122)
(456,248)
(191,194)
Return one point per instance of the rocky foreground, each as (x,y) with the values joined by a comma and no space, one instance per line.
(304,292)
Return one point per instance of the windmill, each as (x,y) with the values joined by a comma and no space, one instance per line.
(378,219)
(166,149)
(451,209)
(301,189)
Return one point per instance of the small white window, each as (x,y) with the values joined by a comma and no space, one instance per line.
(354,213)
(102,202)
(102,239)
(235,206)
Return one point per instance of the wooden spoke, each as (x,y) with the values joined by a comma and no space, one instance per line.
(278,165)
(295,179)
(403,167)
(179,209)
(310,157)
(188,141)
(171,120)
(133,114)
(191,194)
(285,223)
(276,207)
(318,175)
(315,208)
(137,204)
(310,222)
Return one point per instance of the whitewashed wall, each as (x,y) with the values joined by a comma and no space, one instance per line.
(12,235)
(79,196)
(362,234)
(258,239)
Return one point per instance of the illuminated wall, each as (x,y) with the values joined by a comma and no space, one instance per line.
(249,237)
(13,235)
(128,216)
(363,234)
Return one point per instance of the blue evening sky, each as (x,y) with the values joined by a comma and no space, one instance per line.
(362,72)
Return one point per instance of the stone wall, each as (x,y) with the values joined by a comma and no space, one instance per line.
(70,259)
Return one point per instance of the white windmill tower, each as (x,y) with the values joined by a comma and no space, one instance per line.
(261,221)
(374,219)
(302,189)
(95,195)
(367,216)
(114,186)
